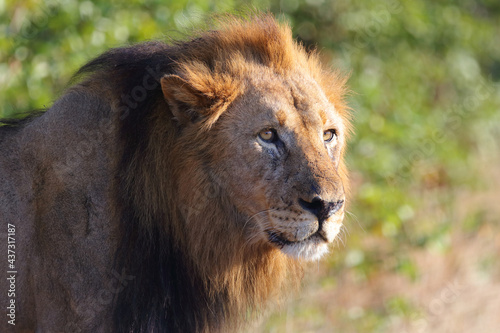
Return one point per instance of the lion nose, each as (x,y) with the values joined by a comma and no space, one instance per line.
(320,208)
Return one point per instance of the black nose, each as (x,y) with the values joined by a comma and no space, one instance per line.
(321,208)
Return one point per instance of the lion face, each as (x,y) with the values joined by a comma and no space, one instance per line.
(279,150)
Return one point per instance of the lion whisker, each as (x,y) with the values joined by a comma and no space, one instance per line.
(256,214)
(356,219)
(262,225)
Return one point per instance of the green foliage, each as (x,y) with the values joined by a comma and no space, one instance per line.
(44,42)
(425,77)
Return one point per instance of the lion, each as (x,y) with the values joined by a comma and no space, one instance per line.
(175,187)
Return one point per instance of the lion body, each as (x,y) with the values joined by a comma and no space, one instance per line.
(65,236)
(136,197)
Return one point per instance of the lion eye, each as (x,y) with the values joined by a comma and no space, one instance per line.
(267,135)
(328,135)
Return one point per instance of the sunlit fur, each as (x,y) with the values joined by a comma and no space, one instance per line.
(161,179)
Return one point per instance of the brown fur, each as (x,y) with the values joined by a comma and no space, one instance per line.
(175,191)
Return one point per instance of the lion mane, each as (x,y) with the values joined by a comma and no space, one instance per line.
(119,210)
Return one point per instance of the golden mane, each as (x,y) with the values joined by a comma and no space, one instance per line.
(218,58)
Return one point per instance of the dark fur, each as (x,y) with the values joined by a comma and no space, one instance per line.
(166,294)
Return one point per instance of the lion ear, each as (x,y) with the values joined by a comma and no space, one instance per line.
(185,101)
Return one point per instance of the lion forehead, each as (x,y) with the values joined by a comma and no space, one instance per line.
(296,101)
(305,113)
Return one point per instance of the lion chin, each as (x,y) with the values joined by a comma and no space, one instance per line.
(310,247)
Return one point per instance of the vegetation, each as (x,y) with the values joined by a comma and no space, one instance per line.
(425,77)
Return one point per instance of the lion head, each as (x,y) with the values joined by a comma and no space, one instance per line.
(271,129)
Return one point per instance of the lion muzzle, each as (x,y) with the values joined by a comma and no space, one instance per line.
(320,208)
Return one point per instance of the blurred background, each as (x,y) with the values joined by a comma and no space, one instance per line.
(422,240)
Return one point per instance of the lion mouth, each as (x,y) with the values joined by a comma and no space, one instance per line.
(280,241)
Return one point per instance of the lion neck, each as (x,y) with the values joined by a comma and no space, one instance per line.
(251,276)
(195,269)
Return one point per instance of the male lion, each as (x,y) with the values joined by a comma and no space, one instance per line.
(174,188)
